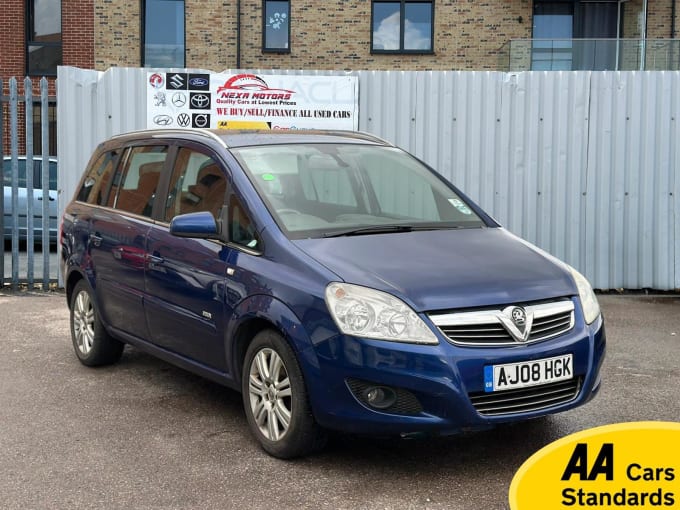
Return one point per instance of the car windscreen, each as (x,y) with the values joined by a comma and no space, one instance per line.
(317,190)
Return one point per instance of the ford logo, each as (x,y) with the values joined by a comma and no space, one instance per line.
(198,82)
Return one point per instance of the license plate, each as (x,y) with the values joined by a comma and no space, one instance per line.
(511,376)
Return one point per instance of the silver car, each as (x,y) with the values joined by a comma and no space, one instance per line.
(22,210)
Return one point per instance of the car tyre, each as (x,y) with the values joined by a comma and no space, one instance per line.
(92,343)
(275,399)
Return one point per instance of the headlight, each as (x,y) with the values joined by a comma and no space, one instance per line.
(591,308)
(360,311)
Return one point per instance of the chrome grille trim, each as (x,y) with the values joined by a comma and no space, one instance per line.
(485,328)
(533,398)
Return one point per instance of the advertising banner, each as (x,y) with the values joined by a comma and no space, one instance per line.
(248,101)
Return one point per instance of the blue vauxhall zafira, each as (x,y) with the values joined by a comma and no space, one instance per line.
(333,279)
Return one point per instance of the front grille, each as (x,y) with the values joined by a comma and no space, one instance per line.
(526,399)
(486,327)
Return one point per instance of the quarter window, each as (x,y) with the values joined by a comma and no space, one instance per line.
(404,26)
(43,37)
(96,182)
(276,26)
(163,44)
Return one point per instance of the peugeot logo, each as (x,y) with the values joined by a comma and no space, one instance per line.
(201,120)
(162,120)
(519,316)
(198,82)
(179,99)
(183,120)
(200,100)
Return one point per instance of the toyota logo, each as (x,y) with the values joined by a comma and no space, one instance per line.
(162,120)
(200,100)
(519,316)
(179,100)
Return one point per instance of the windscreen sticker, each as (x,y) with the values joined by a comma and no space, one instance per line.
(460,205)
(268,177)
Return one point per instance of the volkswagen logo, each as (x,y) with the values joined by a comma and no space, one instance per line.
(179,100)
(200,100)
(183,120)
(162,120)
(198,82)
(519,316)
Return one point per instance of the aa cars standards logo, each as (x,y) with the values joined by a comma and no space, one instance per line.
(626,465)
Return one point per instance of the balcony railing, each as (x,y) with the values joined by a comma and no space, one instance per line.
(590,54)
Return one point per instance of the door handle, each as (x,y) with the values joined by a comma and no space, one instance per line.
(96,239)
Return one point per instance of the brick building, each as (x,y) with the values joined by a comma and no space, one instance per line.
(38,35)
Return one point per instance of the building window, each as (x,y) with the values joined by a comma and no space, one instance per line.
(404,26)
(163,34)
(43,37)
(276,26)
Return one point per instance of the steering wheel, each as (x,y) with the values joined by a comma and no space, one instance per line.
(288,211)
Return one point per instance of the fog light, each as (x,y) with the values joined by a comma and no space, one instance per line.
(380,397)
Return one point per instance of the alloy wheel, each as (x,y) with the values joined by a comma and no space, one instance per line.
(270,394)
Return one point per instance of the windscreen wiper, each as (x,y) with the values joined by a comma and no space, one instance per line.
(378,229)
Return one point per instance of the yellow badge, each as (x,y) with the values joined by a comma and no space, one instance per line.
(625,465)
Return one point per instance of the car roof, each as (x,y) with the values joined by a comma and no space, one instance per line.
(245,138)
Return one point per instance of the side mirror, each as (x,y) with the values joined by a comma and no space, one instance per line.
(199,225)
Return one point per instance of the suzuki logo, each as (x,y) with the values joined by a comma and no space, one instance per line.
(177,81)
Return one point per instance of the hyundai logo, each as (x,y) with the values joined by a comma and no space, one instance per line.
(200,100)
(198,82)
(162,120)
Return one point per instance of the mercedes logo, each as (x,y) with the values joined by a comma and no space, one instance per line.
(179,99)
(200,100)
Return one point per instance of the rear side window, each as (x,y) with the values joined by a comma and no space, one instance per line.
(134,185)
(197,184)
(96,182)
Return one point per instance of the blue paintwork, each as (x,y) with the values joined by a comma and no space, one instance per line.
(176,298)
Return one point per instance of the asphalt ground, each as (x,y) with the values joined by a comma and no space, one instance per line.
(143,434)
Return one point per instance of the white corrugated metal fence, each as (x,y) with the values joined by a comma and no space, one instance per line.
(581,164)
